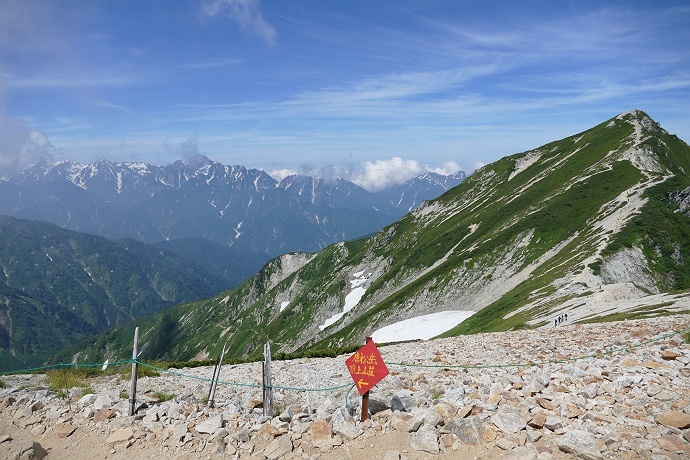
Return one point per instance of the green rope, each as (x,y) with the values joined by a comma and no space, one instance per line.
(347,396)
(203,379)
(338,387)
(252,385)
(277,387)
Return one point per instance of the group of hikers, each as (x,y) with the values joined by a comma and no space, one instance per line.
(562,318)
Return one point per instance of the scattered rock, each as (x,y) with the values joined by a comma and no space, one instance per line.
(546,404)
(537,420)
(675,419)
(521,453)
(6,402)
(278,447)
(268,431)
(31,451)
(86,400)
(377,405)
(622,405)
(103,414)
(670,355)
(407,422)
(397,404)
(102,402)
(344,424)
(320,429)
(553,423)
(580,443)
(505,444)
(425,439)
(120,436)
(671,442)
(468,430)
(211,424)
(446,410)
(508,422)
(63,430)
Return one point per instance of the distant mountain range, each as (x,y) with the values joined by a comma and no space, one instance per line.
(596,225)
(245,209)
(58,287)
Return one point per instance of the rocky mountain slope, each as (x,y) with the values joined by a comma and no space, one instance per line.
(58,287)
(231,205)
(595,226)
(618,390)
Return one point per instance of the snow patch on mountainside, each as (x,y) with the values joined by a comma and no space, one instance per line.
(352,299)
(422,327)
(74,174)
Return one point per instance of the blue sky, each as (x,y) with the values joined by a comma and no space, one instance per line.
(372,91)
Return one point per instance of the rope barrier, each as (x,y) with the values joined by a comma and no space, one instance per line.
(338,387)
(347,396)
(251,385)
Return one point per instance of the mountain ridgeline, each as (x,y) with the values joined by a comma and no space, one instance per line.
(245,209)
(58,287)
(596,225)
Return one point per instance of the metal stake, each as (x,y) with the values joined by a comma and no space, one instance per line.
(216,377)
(133,382)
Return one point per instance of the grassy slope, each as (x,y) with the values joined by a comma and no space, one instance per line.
(508,210)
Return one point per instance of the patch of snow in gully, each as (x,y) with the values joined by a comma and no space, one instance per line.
(351,300)
(422,327)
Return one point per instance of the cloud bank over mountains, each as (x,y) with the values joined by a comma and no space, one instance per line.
(372,176)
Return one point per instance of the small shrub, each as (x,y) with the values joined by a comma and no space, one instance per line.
(142,371)
(436,393)
(60,379)
(163,396)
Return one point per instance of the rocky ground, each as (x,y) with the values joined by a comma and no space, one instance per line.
(570,398)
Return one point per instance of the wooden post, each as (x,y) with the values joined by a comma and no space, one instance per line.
(216,377)
(268,385)
(133,382)
(365,398)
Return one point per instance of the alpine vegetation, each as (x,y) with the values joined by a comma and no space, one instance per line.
(595,226)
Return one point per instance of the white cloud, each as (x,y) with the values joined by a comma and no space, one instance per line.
(20,147)
(371,176)
(245,13)
(446,168)
(384,173)
(280,174)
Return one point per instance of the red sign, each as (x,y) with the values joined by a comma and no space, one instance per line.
(366,367)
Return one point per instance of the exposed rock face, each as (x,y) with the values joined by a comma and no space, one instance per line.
(632,403)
